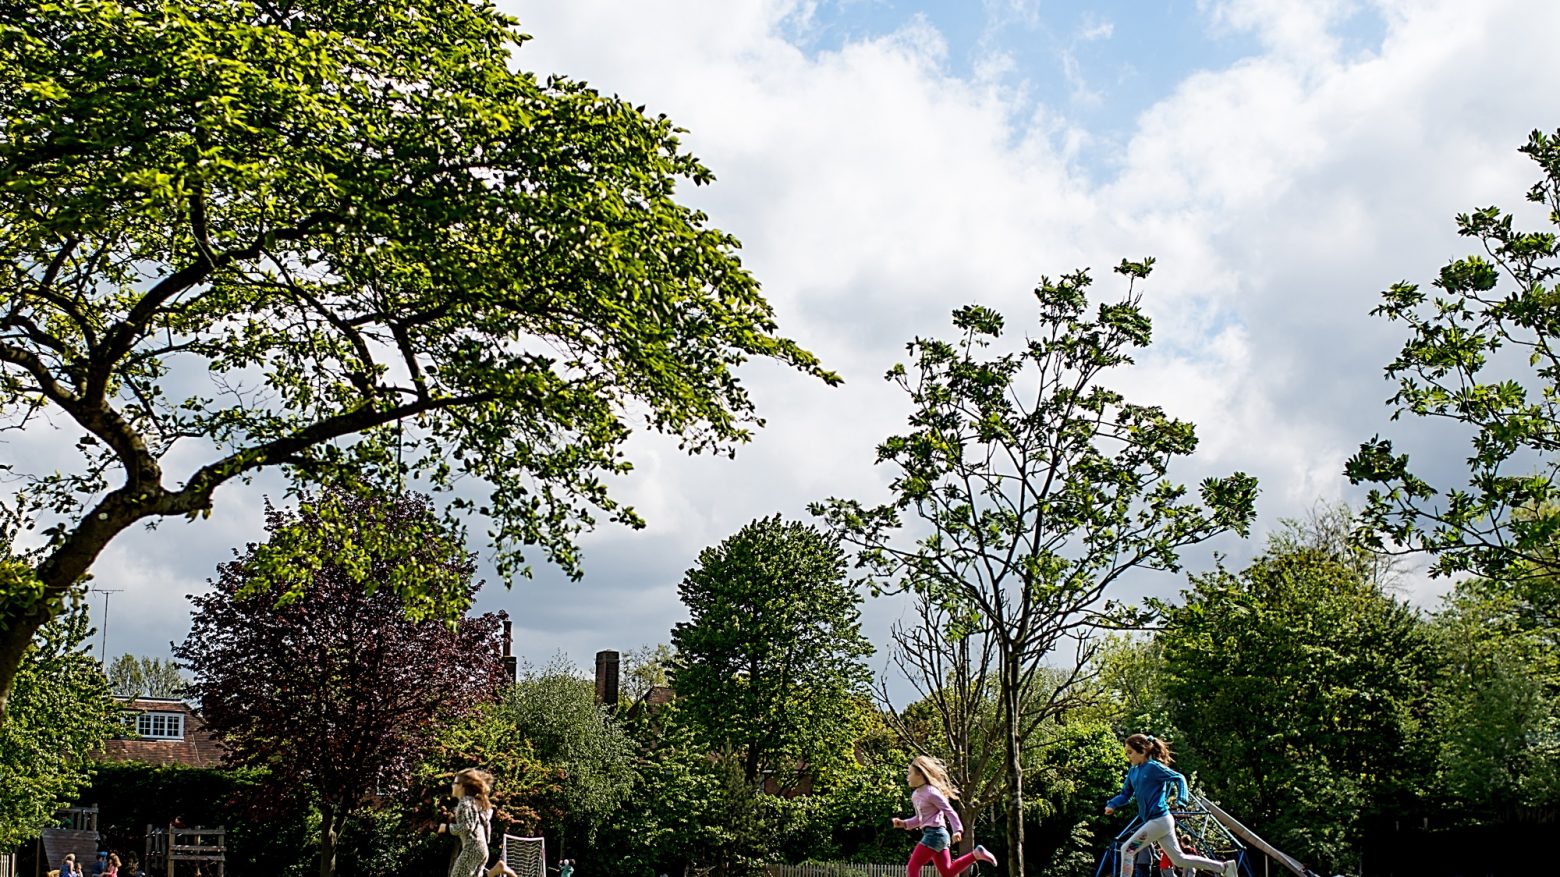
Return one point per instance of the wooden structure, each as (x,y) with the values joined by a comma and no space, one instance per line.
(77,833)
(1288,862)
(166,847)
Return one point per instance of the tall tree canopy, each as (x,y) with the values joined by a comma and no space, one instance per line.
(1036,488)
(1300,686)
(140,676)
(768,664)
(326,682)
(335,236)
(1481,353)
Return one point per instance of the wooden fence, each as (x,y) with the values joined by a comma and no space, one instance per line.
(842,869)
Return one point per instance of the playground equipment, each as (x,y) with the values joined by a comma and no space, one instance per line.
(166,847)
(526,855)
(77,833)
(1216,834)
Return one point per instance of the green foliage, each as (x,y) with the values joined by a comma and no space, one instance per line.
(132,795)
(1075,767)
(645,668)
(60,711)
(676,812)
(1036,488)
(1485,359)
(394,254)
(1130,677)
(526,796)
(1496,707)
(1299,686)
(769,665)
(139,676)
(555,712)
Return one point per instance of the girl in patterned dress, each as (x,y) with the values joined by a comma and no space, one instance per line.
(472,821)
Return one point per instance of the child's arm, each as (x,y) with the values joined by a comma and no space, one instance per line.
(1182,791)
(465,818)
(1125,795)
(916,820)
(950,816)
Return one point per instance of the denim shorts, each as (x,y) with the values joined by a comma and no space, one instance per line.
(935,837)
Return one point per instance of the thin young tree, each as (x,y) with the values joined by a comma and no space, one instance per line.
(1034,488)
(952,669)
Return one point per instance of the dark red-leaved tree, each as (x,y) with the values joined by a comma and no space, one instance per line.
(307,665)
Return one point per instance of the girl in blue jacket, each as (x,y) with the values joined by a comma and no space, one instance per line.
(1148,779)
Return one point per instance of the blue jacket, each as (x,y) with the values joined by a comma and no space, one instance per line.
(1148,782)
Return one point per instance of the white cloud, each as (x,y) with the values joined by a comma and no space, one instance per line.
(875,190)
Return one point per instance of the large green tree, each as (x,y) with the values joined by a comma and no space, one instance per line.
(61,712)
(1496,707)
(1299,685)
(1035,488)
(554,709)
(335,237)
(768,664)
(1481,354)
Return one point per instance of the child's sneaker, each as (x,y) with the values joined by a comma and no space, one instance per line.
(1231,868)
(985,855)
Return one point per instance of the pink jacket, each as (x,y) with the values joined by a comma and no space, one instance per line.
(932,809)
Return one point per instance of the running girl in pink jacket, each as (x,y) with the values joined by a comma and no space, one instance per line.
(937,820)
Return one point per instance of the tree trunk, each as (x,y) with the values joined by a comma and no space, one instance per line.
(967,816)
(14,640)
(30,608)
(330,832)
(1015,767)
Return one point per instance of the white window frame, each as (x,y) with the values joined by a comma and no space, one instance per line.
(160,725)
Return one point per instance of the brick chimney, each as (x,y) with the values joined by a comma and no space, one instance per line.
(607,678)
(511,665)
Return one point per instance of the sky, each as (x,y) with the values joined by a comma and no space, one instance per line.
(884,163)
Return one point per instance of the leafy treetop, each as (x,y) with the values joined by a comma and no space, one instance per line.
(341,238)
(1486,359)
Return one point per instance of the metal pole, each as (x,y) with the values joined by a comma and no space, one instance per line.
(103,641)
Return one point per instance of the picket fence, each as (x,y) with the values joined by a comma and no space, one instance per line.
(842,869)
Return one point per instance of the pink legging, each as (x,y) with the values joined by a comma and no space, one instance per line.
(939,859)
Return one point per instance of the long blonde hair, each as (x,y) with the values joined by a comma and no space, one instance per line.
(477,784)
(936,775)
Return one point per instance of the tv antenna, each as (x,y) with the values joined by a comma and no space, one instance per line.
(103,641)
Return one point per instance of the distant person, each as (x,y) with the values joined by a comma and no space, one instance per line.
(1143,862)
(1148,780)
(472,821)
(69,867)
(566,868)
(111,869)
(935,817)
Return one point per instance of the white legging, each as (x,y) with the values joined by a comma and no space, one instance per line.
(1161,830)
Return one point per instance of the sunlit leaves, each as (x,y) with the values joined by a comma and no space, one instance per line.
(1484,359)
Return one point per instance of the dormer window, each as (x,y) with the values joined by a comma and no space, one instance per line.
(160,726)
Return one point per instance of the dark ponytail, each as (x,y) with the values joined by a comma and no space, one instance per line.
(1153,747)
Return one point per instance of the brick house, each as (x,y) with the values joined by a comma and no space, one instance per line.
(169,732)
